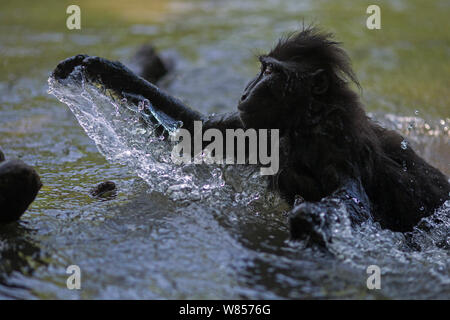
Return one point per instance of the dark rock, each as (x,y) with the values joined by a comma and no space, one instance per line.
(152,67)
(2,156)
(19,185)
(104,190)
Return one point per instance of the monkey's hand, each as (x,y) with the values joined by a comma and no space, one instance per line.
(308,221)
(118,78)
(315,221)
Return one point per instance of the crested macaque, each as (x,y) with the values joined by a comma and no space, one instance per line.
(328,145)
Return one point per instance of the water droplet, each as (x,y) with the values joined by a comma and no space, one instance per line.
(298,200)
(404,167)
(404,144)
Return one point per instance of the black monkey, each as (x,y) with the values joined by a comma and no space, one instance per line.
(329,147)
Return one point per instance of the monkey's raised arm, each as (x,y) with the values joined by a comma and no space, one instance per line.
(117,77)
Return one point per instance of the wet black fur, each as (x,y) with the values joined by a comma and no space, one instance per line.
(327,137)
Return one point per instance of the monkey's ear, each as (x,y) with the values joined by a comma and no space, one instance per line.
(320,82)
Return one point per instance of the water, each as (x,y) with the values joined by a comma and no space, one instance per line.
(203,231)
(125,134)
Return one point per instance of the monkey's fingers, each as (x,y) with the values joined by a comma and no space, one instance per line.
(65,67)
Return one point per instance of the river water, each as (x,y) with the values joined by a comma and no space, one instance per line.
(198,231)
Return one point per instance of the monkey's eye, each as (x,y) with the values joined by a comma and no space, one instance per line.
(268,70)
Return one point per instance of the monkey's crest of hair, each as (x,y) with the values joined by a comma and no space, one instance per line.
(317,49)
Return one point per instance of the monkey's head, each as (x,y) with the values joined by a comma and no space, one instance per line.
(303,73)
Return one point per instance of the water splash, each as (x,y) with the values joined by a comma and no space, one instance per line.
(128,130)
(404,144)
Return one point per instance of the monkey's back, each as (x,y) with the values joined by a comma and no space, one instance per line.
(406,188)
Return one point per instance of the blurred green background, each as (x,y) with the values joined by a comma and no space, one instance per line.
(402,67)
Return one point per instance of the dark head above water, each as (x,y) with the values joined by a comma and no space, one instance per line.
(19,185)
(306,90)
(304,71)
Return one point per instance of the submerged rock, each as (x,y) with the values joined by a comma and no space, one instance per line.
(105,189)
(19,185)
